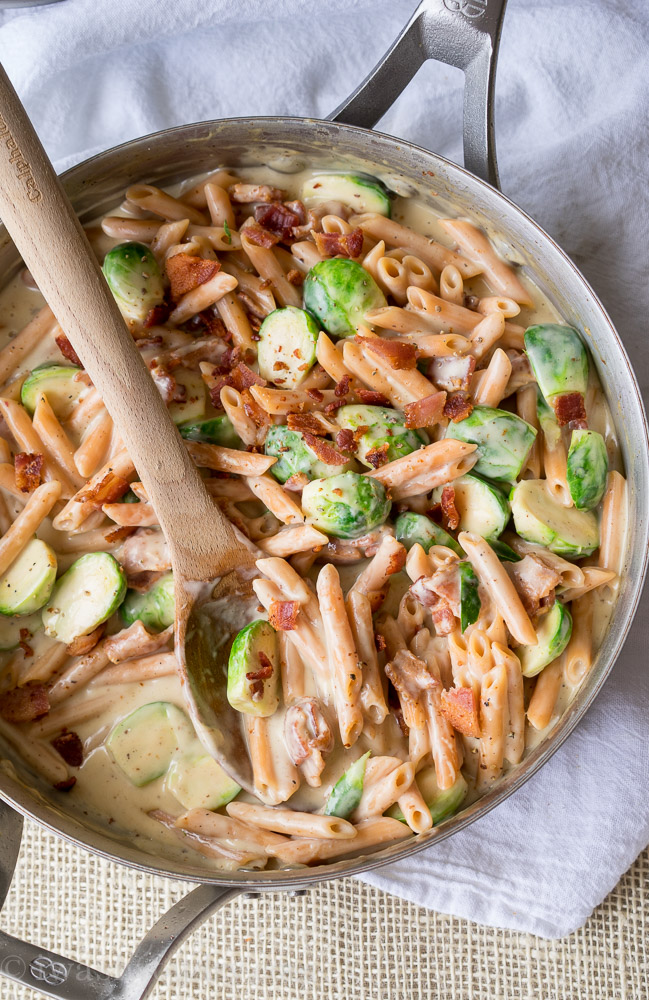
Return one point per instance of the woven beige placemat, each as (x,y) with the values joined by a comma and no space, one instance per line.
(342,941)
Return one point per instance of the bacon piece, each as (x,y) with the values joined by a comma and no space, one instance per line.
(259,236)
(66,785)
(186,273)
(398,355)
(315,394)
(346,441)
(335,405)
(249,194)
(24,704)
(324,450)
(135,640)
(67,350)
(452,372)
(157,316)
(458,406)
(372,398)
(70,747)
(109,490)
(167,385)
(410,677)
(257,677)
(451,518)
(460,707)
(84,643)
(306,422)
(142,581)
(378,456)
(569,409)
(534,581)
(28,469)
(425,412)
(278,218)
(25,634)
(296,482)
(240,377)
(443,619)
(120,534)
(340,244)
(142,343)
(295,277)
(282,615)
(342,387)
(214,325)
(308,736)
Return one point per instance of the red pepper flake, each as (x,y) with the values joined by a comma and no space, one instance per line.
(70,747)
(28,470)
(67,350)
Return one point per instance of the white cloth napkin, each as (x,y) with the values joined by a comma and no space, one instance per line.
(573,89)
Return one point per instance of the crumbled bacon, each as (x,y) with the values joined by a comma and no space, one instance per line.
(460,708)
(186,273)
(70,747)
(534,581)
(295,277)
(249,194)
(315,394)
(109,489)
(296,482)
(449,510)
(378,456)
(253,410)
(399,355)
(342,387)
(305,422)
(157,316)
(257,677)
(66,785)
(142,343)
(25,634)
(379,642)
(24,704)
(324,450)
(346,441)
(410,676)
(569,409)
(214,325)
(170,390)
(335,405)
(340,244)
(282,615)
(425,412)
(84,643)
(67,350)
(372,398)
(119,534)
(458,406)
(259,236)
(308,736)
(241,377)
(279,219)
(28,469)
(443,618)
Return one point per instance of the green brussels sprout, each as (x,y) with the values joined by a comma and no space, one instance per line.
(134,278)
(287,345)
(587,469)
(361,192)
(417,529)
(540,518)
(470,602)
(347,505)
(213,430)
(338,292)
(58,383)
(482,507)
(294,456)
(553,635)
(155,608)
(442,803)
(87,594)
(385,426)
(547,421)
(503,441)
(346,793)
(254,650)
(558,359)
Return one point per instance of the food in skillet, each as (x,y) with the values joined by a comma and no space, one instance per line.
(422,453)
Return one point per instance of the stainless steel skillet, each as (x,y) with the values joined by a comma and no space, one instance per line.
(463,33)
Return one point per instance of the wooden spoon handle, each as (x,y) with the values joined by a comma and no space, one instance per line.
(46,231)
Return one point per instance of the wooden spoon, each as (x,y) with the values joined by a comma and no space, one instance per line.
(203,544)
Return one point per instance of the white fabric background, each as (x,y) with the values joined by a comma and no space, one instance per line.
(573,92)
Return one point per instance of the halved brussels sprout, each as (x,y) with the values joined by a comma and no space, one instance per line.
(347,792)
(192,407)
(155,608)
(587,468)
(553,634)
(503,441)
(253,670)
(346,506)
(470,602)
(361,192)
(29,581)
(338,292)
(441,802)
(57,383)
(294,456)
(542,519)
(87,594)
(286,348)
(417,529)
(385,426)
(144,744)
(558,359)
(134,278)
(213,430)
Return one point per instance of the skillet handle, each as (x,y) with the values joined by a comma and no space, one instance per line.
(462,33)
(59,977)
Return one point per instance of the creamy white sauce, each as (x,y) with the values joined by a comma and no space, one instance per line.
(102,792)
